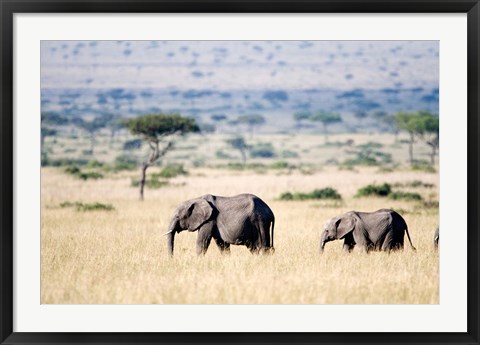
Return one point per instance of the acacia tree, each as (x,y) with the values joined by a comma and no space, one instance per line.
(219,119)
(301,116)
(91,127)
(251,121)
(422,125)
(429,132)
(158,129)
(326,119)
(49,122)
(238,143)
(409,123)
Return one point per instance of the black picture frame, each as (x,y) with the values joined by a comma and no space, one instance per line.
(10,7)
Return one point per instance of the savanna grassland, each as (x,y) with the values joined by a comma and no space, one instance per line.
(119,256)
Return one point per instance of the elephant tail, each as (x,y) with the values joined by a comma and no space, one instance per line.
(271,236)
(409,239)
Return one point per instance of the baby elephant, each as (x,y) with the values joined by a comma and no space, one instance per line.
(380,230)
(242,220)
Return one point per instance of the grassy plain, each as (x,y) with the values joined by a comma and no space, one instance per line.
(120,256)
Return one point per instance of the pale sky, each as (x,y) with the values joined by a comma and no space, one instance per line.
(234,65)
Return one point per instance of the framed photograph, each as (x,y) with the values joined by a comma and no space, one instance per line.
(239,172)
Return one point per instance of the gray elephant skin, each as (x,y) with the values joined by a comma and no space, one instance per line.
(244,219)
(380,230)
(436,238)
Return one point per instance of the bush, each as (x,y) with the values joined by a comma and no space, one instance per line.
(289,154)
(385,190)
(369,157)
(325,193)
(133,144)
(94,207)
(370,145)
(405,196)
(79,206)
(222,155)
(75,171)
(375,190)
(90,175)
(239,166)
(415,184)
(171,170)
(153,183)
(279,165)
(367,161)
(63,162)
(124,162)
(72,170)
(262,150)
(94,164)
(423,166)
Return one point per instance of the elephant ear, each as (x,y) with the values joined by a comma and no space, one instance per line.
(345,225)
(199,212)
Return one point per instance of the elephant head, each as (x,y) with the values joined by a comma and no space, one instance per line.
(337,228)
(190,215)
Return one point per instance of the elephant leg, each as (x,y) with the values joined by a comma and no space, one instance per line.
(254,250)
(348,243)
(264,235)
(223,246)
(392,242)
(365,244)
(348,247)
(252,246)
(203,241)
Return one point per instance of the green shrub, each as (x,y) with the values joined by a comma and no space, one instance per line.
(79,206)
(262,150)
(367,161)
(289,154)
(63,162)
(325,193)
(423,167)
(134,144)
(153,183)
(405,196)
(94,164)
(370,145)
(87,152)
(95,207)
(75,171)
(415,184)
(72,170)
(333,144)
(385,169)
(374,190)
(222,155)
(171,170)
(239,166)
(280,165)
(124,162)
(90,175)
(286,196)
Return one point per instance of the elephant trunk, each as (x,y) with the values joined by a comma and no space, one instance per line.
(171,236)
(322,243)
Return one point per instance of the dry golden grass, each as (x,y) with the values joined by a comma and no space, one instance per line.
(120,257)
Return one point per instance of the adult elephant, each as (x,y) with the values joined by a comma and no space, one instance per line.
(380,230)
(436,238)
(241,220)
